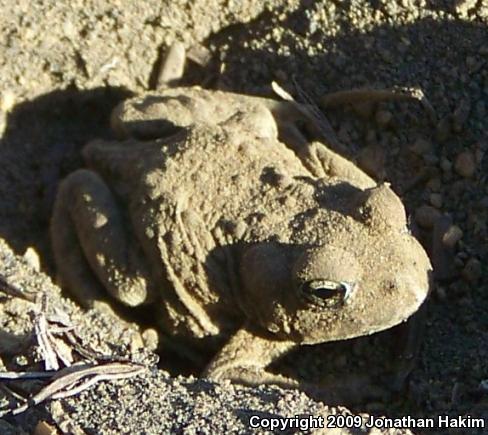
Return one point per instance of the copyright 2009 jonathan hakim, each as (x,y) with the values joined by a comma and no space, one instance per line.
(307,422)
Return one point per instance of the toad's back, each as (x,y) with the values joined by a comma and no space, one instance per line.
(199,194)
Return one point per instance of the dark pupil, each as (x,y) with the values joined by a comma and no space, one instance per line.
(327,294)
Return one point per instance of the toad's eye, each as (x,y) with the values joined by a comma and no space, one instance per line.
(325,293)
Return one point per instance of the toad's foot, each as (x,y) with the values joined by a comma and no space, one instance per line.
(244,359)
(86,224)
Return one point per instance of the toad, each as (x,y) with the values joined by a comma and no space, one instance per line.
(221,211)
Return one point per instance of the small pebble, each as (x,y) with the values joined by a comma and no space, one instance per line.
(434,184)
(171,71)
(7,101)
(462,7)
(471,63)
(150,338)
(453,235)
(340,360)
(441,293)
(44,428)
(431,159)
(472,271)
(483,386)
(460,115)
(484,202)
(457,289)
(383,118)
(458,262)
(136,342)
(421,146)
(21,360)
(3,122)
(446,177)
(479,154)
(457,189)
(426,216)
(446,164)
(465,164)
(199,54)
(443,129)
(480,109)
(371,138)
(32,258)
(436,200)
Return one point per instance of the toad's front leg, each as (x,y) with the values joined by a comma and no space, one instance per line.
(245,357)
(90,243)
(247,354)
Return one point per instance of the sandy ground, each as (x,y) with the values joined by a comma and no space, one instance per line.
(64,65)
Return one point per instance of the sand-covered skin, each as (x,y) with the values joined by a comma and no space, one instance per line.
(441,46)
(232,236)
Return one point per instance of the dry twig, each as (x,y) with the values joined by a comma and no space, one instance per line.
(75,379)
(14,291)
(72,379)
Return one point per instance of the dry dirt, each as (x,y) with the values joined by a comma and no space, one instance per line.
(64,65)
